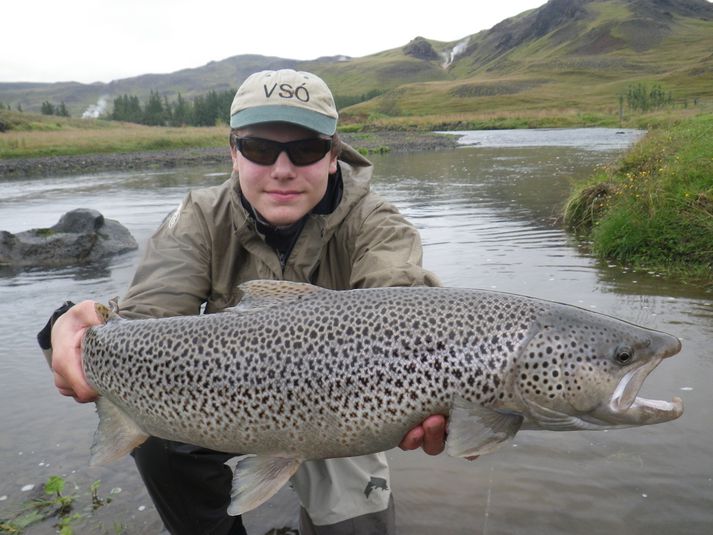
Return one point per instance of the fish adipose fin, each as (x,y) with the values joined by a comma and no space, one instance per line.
(260,294)
(475,430)
(256,479)
(117,434)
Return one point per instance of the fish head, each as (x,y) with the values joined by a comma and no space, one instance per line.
(583,370)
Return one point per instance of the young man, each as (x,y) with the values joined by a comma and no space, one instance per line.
(297,207)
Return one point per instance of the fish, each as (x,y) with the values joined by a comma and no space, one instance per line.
(296,372)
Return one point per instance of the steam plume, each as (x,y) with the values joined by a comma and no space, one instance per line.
(96,110)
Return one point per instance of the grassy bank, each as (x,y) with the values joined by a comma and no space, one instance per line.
(30,135)
(654,208)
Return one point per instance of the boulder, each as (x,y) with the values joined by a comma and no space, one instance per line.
(81,236)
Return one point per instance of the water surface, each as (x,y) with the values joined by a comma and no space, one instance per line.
(488,215)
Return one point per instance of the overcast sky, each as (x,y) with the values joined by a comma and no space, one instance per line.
(103,40)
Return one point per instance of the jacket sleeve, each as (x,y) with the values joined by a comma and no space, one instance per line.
(387,250)
(173,277)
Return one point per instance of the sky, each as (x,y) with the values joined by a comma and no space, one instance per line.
(102,40)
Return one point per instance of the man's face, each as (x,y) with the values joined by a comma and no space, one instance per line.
(282,192)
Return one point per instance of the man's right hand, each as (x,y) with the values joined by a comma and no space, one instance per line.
(67,334)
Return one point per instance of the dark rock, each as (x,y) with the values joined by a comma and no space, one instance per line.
(81,236)
(419,48)
(81,220)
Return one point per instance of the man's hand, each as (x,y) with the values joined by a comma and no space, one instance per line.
(430,435)
(67,334)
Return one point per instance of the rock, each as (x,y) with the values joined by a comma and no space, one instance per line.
(419,48)
(81,236)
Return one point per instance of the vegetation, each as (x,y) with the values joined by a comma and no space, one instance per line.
(31,135)
(56,503)
(654,208)
(50,109)
(203,110)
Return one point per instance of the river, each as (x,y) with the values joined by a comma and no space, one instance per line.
(488,214)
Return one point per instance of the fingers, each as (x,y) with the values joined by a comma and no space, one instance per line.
(434,440)
(413,439)
(430,435)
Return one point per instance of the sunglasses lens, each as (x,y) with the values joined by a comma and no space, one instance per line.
(308,151)
(260,151)
(301,152)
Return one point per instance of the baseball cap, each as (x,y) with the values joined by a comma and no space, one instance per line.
(287,96)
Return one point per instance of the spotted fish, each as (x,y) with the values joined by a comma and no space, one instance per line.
(296,372)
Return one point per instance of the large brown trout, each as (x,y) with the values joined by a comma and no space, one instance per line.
(296,372)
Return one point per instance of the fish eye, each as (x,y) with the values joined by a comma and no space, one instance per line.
(624,355)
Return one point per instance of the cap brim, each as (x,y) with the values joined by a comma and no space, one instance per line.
(285,114)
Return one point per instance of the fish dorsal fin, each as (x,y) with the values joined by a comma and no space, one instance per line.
(260,294)
(117,434)
(105,313)
(474,430)
(257,479)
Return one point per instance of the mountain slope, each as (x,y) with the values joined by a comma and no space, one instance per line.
(570,54)
(567,54)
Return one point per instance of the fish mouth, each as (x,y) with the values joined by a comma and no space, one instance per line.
(626,408)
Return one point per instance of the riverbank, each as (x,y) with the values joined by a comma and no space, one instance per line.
(654,208)
(366,143)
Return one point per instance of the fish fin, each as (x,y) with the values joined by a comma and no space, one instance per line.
(107,314)
(543,418)
(116,435)
(474,430)
(259,294)
(256,479)
(102,311)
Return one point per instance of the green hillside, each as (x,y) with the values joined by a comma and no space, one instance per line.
(568,58)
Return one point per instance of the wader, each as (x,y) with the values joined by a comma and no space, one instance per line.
(190,488)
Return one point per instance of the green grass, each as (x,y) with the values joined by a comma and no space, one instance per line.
(654,208)
(33,135)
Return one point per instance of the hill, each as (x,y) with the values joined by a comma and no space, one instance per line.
(568,56)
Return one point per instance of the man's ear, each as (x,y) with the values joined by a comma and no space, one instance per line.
(333,164)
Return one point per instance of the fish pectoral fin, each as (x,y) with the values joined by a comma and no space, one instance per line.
(475,430)
(541,417)
(260,294)
(116,435)
(256,479)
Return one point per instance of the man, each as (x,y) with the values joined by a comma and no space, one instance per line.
(297,207)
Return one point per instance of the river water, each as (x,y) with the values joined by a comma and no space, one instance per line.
(488,215)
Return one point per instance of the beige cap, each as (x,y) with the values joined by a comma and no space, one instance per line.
(286,96)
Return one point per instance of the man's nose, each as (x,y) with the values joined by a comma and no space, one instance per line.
(283,166)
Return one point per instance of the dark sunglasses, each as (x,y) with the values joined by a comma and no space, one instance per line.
(300,152)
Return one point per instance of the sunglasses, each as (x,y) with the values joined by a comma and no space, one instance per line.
(265,151)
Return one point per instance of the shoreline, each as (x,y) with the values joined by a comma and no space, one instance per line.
(367,143)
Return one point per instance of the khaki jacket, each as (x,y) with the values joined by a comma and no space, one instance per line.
(210,245)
